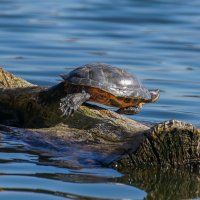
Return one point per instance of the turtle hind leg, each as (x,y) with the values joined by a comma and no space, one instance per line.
(129,110)
(72,102)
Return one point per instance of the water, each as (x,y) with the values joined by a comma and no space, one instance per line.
(158,40)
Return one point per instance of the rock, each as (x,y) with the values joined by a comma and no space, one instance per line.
(99,135)
(169,144)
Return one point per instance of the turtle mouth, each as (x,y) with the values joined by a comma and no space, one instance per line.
(155,94)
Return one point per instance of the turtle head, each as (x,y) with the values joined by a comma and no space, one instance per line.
(155,94)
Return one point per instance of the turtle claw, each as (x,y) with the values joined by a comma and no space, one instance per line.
(70,103)
(129,110)
(66,109)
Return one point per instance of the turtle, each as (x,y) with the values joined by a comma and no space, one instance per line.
(104,84)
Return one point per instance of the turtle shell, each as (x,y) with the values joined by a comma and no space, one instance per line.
(111,79)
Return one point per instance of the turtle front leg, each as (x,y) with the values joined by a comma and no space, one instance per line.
(72,102)
(129,110)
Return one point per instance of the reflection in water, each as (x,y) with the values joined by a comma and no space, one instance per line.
(31,171)
(24,169)
(164,184)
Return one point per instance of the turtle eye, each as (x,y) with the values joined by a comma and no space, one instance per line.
(127,100)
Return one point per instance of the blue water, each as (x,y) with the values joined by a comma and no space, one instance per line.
(158,40)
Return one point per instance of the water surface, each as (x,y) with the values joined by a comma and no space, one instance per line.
(158,40)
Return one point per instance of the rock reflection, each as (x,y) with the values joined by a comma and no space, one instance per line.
(164,184)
